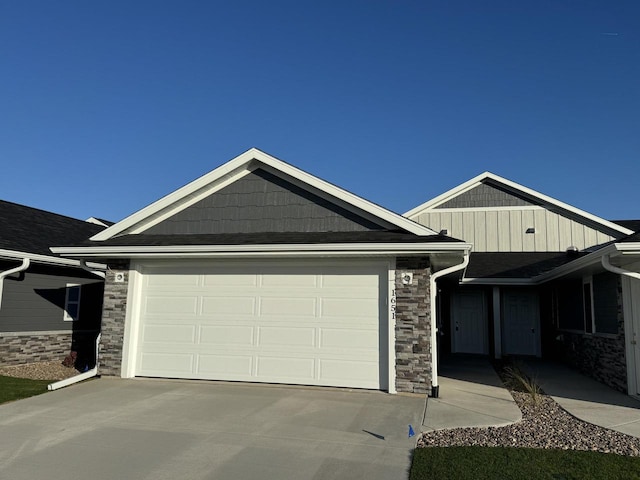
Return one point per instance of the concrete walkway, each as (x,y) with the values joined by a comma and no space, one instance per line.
(471,395)
(586,398)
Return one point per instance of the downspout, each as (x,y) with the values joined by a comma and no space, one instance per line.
(78,378)
(435,388)
(25,264)
(606,263)
(89,373)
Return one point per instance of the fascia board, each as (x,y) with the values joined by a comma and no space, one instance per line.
(447,195)
(497,281)
(49,260)
(628,248)
(243,161)
(545,199)
(591,259)
(289,249)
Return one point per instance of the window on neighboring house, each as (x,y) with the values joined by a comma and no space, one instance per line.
(72,302)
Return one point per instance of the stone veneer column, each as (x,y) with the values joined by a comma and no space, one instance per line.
(413,326)
(113,315)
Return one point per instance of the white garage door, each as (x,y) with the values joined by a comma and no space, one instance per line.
(311,324)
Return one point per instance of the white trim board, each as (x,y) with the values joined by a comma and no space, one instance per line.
(235,168)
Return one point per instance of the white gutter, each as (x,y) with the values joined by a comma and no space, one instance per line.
(606,263)
(46,259)
(101,274)
(435,389)
(262,249)
(78,378)
(21,268)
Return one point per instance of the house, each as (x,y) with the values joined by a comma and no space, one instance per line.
(260,272)
(544,279)
(49,305)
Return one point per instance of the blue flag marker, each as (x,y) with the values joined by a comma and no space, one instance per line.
(411,432)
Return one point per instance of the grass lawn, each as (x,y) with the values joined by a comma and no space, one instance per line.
(17,388)
(476,463)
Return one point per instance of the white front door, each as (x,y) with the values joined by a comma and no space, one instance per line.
(521,323)
(469,323)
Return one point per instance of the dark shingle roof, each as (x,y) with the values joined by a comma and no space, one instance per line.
(30,230)
(270,239)
(514,264)
(630,224)
(631,238)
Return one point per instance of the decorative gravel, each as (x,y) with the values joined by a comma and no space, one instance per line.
(39,371)
(545,425)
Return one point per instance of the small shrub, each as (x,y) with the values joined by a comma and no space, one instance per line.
(517,380)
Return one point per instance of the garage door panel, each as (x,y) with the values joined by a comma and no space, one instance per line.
(347,372)
(239,335)
(287,306)
(171,304)
(287,368)
(178,364)
(312,324)
(228,306)
(169,334)
(225,367)
(287,336)
(229,279)
(342,339)
(353,308)
(271,280)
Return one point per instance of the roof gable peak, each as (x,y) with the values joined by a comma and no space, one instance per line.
(235,169)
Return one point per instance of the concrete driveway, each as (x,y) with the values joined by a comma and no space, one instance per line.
(163,429)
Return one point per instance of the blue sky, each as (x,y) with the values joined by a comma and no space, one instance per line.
(107,106)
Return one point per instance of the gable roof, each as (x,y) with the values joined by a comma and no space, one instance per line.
(241,166)
(27,231)
(524,193)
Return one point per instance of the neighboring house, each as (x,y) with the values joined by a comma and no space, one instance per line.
(49,305)
(544,279)
(260,272)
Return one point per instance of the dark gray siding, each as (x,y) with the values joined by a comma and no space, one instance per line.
(485,195)
(262,202)
(34,300)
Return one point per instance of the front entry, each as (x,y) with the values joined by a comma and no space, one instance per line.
(469,323)
(521,323)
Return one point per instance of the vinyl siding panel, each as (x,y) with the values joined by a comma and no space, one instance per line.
(262,202)
(504,230)
(485,195)
(35,300)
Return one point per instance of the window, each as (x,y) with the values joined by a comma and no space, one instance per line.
(72,302)
(605,303)
(587,304)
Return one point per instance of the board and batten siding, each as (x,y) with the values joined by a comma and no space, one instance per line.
(504,229)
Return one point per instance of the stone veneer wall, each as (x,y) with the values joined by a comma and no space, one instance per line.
(114,310)
(30,347)
(600,357)
(413,326)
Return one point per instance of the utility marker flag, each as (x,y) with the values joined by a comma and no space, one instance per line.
(411,432)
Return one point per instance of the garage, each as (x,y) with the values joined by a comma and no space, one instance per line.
(321,322)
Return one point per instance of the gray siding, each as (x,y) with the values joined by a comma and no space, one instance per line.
(262,202)
(485,195)
(34,300)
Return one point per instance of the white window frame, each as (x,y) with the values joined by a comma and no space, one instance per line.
(67,302)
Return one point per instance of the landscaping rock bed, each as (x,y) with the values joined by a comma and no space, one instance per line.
(39,371)
(544,424)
